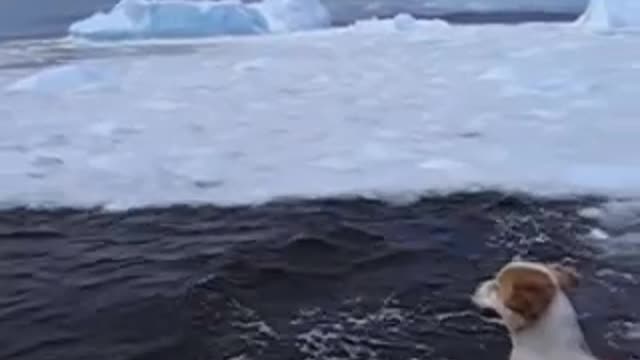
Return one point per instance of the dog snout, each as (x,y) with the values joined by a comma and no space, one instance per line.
(489,313)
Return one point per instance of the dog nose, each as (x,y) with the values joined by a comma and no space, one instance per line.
(489,313)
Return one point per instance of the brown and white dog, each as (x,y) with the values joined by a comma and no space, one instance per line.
(530,300)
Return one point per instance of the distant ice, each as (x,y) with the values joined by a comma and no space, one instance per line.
(611,15)
(551,6)
(402,22)
(346,11)
(379,109)
(134,19)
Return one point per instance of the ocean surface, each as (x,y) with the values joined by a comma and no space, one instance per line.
(324,279)
(331,278)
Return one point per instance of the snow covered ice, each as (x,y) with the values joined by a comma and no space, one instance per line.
(382,108)
(188,18)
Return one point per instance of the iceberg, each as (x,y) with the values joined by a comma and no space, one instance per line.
(293,15)
(607,15)
(143,19)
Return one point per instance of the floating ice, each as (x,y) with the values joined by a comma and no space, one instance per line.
(402,22)
(611,15)
(67,78)
(188,18)
(293,15)
(344,111)
(550,6)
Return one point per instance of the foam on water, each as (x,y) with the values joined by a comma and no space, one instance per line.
(131,19)
(616,215)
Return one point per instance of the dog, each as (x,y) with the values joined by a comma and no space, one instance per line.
(530,300)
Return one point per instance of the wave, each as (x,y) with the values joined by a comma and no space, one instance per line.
(328,279)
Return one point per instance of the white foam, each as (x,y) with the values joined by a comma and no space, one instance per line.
(611,15)
(618,215)
(598,234)
(342,111)
(135,19)
(591,213)
(634,332)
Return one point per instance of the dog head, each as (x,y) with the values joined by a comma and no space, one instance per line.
(521,293)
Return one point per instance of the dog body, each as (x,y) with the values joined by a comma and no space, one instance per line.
(529,299)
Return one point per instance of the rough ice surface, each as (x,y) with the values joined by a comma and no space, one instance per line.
(611,15)
(68,78)
(293,15)
(380,108)
(134,19)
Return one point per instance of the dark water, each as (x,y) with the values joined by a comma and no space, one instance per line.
(326,279)
(33,19)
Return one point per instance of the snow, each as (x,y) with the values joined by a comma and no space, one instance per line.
(382,108)
(188,18)
(611,15)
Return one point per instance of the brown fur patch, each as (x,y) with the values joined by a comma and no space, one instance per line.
(568,277)
(527,292)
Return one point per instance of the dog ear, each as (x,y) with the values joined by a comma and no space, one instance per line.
(527,292)
(567,276)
